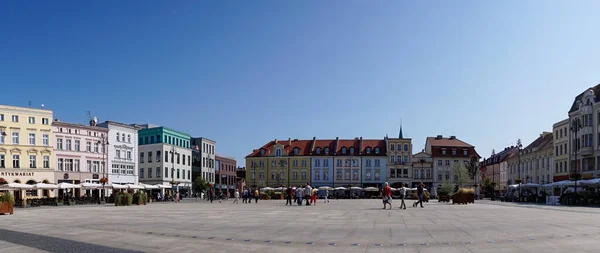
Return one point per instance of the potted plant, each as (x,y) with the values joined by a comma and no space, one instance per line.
(7,203)
(445,191)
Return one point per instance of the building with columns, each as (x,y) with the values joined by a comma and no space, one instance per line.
(583,134)
(421,169)
(80,155)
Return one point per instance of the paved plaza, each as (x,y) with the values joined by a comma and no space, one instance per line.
(270,226)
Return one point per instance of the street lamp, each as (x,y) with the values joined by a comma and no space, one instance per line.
(576,127)
(254,165)
(173,167)
(519,146)
(104,142)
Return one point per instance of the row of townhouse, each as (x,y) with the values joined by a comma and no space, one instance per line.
(571,150)
(357,162)
(35,148)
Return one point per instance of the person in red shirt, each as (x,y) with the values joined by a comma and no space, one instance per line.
(386,195)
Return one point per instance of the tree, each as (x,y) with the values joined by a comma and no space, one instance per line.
(473,167)
(460,174)
(200,185)
(445,188)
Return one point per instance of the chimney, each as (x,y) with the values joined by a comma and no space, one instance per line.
(275,141)
(452,137)
(439,137)
(290,141)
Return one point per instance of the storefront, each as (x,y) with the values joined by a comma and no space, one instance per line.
(76,178)
(28,177)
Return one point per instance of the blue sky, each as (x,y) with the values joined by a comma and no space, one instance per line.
(246,72)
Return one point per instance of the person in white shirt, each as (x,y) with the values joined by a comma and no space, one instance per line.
(307,193)
(299,193)
(402,196)
(237,197)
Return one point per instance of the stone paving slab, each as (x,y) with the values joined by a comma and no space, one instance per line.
(338,226)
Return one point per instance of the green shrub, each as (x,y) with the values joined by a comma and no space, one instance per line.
(123,199)
(140,198)
(117,199)
(7,198)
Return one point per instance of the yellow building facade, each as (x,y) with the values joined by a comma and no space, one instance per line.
(26,144)
(279,163)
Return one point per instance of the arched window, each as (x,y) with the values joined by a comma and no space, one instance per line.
(318,151)
(118,137)
(344,150)
(129,138)
(352,150)
(278,152)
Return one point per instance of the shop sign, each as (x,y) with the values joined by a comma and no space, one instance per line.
(95,176)
(66,176)
(17,174)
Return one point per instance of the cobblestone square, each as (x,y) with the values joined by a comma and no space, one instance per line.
(270,226)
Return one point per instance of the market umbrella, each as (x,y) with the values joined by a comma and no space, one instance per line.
(370,189)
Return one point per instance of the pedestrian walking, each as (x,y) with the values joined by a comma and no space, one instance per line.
(307,193)
(244,195)
(237,197)
(402,196)
(212,194)
(288,196)
(420,195)
(256,195)
(313,196)
(386,195)
(299,193)
(326,196)
(177,197)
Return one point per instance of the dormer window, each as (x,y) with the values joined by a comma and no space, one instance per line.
(278,152)
(454,152)
(344,150)
(377,150)
(326,150)
(443,151)
(318,150)
(262,151)
(465,152)
(296,151)
(368,150)
(352,150)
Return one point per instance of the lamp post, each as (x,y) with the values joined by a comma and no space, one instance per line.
(104,142)
(576,127)
(282,164)
(519,146)
(254,172)
(173,167)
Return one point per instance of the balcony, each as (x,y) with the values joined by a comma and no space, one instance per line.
(586,151)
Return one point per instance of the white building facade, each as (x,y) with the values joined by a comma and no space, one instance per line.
(122,153)
(207,153)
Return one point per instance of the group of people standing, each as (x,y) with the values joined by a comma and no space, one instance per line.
(386,195)
(299,194)
(249,194)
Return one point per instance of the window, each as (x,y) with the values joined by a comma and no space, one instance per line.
(76,165)
(32,161)
(303,163)
(158,156)
(273,175)
(347,174)
(317,163)
(141,157)
(453,152)
(167,156)
(129,155)
(157,172)
(31,120)
(118,137)
(377,163)
(377,175)
(15,118)
(273,163)
(61,164)
(326,163)
(96,147)
(326,150)
(173,173)
(166,172)
(439,162)
(303,175)
(399,159)
(465,152)
(1,117)
(440,176)
(88,147)
(368,163)
(443,151)
(129,138)
(149,156)
(278,152)
(177,173)
(2,161)
(405,147)
(46,160)
(295,163)
(145,139)
(261,175)
(377,150)
(189,175)
(141,172)
(31,139)
(317,175)
(15,138)
(149,172)
(178,159)
(368,175)
(392,173)
(405,159)
(344,150)
(318,151)
(392,159)
(339,162)
(354,174)
(428,173)
(338,175)
(392,146)
(326,175)
(69,164)
(352,150)
(368,150)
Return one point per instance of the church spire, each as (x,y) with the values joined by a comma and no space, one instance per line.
(400,134)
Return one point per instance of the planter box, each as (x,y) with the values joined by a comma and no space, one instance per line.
(60,203)
(6,208)
(459,199)
(444,198)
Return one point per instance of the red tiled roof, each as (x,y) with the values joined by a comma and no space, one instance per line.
(288,147)
(447,142)
(322,144)
(348,143)
(374,144)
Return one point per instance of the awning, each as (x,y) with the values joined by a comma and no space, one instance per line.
(91,185)
(44,186)
(13,186)
(117,186)
(68,186)
(371,189)
(148,187)
(134,186)
(162,186)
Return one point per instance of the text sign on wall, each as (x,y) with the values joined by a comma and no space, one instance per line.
(17,174)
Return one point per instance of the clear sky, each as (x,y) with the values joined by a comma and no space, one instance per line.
(246,72)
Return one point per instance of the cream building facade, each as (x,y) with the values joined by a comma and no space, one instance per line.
(399,160)
(26,142)
(561,150)
(537,160)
